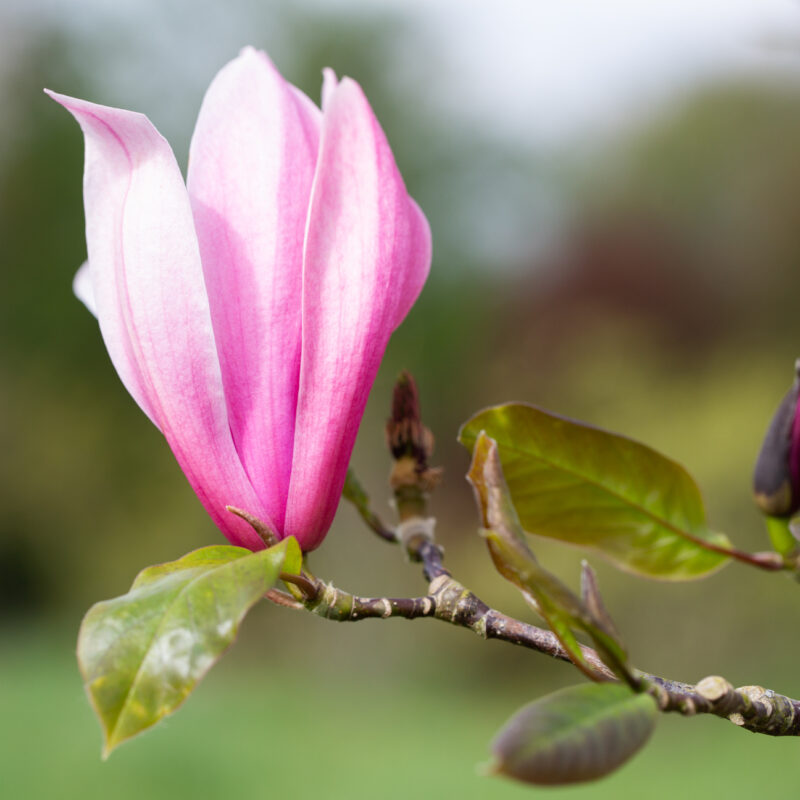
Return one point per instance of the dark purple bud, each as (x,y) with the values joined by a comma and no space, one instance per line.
(776,479)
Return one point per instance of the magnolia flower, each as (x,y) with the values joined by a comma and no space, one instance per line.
(247,310)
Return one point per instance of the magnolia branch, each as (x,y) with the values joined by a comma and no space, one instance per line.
(411,444)
(446,600)
(752,707)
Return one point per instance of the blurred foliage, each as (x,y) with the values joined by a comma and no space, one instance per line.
(646,285)
(717,177)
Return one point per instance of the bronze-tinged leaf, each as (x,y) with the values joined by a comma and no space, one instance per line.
(601,491)
(557,604)
(593,600)
(575,735)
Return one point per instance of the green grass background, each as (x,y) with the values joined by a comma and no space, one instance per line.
(253,730)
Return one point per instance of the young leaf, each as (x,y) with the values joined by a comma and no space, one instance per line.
(574,735)
(141,654)
(601,491)
(560,607)
(783,533)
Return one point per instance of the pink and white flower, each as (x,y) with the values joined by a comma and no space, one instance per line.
(247,310)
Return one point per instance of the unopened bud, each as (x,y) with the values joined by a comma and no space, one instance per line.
(405,433)
(776,479)
(411,445)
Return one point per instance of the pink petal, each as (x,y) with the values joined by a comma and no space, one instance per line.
(250,170)
(329,84)
(367,255)
(115,338)
(151,302)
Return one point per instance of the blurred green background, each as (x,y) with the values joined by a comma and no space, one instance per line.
(639,269)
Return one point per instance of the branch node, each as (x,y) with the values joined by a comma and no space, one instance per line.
(437,584)
(309,589)
(714,688)
(415,527)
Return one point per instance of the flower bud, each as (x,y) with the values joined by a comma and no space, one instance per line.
(776,479)
(405,433)
(410,442)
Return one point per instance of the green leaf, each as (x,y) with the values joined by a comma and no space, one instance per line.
(781,533)
(141,654)
(560,607)
(574,735)
(601,491)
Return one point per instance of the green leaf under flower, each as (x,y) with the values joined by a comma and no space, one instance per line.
(141,654)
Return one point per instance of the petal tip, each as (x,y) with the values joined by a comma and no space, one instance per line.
(345,91)
(329,84)
(253,55)
(61,99)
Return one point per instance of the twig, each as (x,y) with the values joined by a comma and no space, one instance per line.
(752,707)
(354,493)
(375,524)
